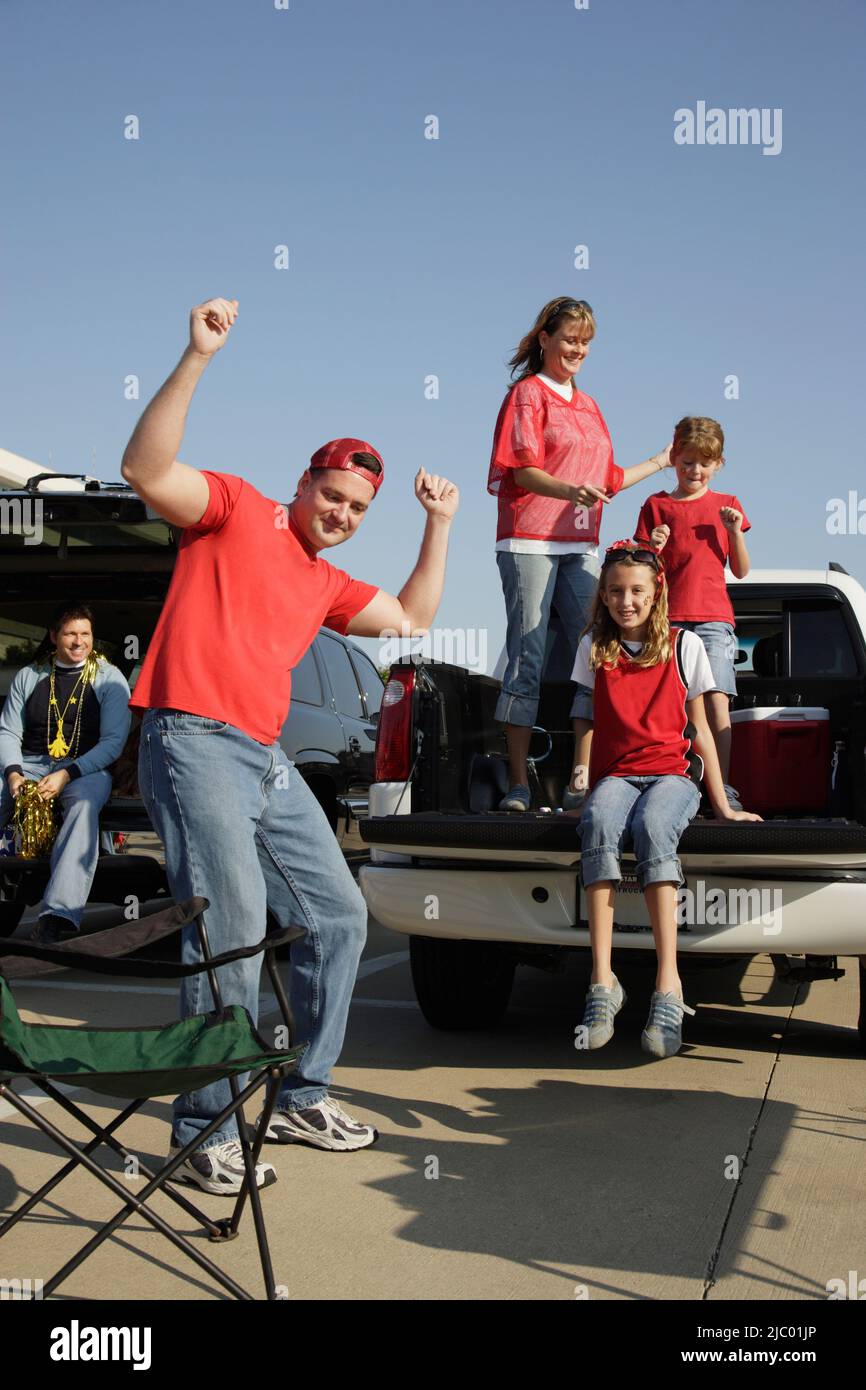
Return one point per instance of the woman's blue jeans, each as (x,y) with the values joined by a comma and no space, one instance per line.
(241,828)
(534,585)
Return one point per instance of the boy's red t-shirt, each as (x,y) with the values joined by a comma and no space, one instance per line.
(246,599)
(537,428)
(695,555)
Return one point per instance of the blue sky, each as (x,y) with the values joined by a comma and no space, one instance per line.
(410,257)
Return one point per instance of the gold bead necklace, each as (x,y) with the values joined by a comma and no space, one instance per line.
(58,747)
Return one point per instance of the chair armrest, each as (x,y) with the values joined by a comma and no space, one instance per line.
(34,958)
(61,957)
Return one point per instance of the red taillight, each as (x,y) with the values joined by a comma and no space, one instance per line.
(394,737)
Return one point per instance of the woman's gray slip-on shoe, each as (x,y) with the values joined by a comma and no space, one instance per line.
(519,798)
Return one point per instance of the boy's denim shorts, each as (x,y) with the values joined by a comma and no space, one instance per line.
(720,643)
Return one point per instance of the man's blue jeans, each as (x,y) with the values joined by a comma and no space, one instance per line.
(241,827)
(651,813)
(75,851)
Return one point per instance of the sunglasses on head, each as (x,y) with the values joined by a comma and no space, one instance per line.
(567,305)
(615,553)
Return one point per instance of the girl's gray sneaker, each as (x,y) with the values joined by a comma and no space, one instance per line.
(518,798)
(663,1034)
(603,1003)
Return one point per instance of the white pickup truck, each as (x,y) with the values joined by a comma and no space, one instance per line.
(480,892)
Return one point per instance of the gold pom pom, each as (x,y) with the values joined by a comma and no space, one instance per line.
(34,820)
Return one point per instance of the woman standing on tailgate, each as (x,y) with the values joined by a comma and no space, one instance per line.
(551,469)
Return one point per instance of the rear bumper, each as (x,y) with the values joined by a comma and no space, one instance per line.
(544,906)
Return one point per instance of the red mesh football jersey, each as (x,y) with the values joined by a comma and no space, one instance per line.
(536,428)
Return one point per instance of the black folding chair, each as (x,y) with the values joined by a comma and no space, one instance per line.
(138,1064)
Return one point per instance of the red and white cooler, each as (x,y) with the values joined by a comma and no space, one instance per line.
(780,759)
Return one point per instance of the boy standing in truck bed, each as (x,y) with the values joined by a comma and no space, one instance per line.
(701,532)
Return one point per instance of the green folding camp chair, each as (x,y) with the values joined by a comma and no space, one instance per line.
(141,1063)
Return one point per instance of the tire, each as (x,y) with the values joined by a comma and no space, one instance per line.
(326,795)
(461,984)
(10,916)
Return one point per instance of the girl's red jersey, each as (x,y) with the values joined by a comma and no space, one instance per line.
(640,726)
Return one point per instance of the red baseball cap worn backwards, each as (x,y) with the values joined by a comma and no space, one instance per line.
(347,454)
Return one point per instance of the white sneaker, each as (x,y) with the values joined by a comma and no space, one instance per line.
(219,1169)
(325,1126)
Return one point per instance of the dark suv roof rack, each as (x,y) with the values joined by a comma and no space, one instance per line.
(90,484)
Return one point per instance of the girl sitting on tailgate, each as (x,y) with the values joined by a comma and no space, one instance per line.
(648,746)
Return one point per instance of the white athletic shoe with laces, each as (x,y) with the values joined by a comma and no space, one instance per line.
(325,1126)
(220,1169)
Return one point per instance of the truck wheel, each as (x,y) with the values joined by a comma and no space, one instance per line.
(461,984)
(10,916)
(326,795)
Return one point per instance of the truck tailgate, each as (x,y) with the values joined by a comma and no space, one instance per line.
(510,835)
(785,887)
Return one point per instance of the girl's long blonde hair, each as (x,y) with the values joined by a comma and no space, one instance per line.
(606,645)
(528,358)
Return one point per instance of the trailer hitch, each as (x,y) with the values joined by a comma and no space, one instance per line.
(800,969)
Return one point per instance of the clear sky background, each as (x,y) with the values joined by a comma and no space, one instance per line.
(410,257)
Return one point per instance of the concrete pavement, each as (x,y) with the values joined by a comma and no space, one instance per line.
(510,1165)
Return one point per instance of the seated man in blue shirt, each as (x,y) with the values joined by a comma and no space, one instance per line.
(65,720)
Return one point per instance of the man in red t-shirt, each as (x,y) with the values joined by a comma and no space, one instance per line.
(240,827)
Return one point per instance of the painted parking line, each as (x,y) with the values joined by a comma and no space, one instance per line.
(384,1004)
(377,963)
(34,1096)
(267,1005)
(367,968)
(90,987)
